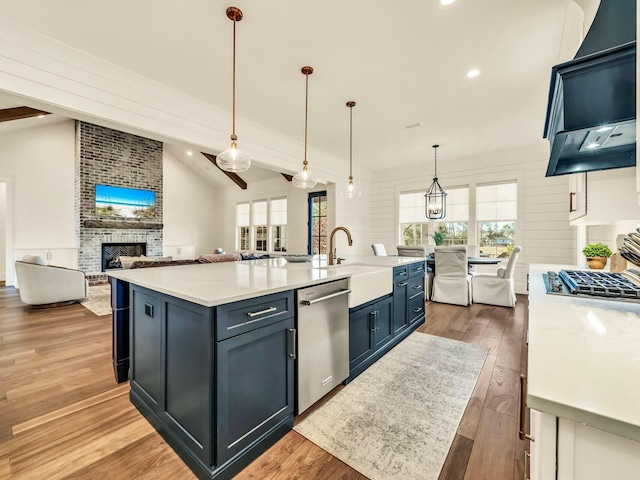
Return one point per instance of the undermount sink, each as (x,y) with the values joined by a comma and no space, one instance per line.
(366,282)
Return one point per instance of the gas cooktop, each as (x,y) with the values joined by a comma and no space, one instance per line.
(589,284)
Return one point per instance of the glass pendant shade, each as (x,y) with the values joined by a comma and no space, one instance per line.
(351,190)
(304,179)
(233,160)
(435,197)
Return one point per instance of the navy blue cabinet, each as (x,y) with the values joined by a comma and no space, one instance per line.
(375,327)
(255,386)
(370,330)
(216,382)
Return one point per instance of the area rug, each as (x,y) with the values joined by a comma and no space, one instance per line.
(397,419)
(98,300)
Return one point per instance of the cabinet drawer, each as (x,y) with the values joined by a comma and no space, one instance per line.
(415,288)
(400,273)
(416,269)
(240,317)
(416,309)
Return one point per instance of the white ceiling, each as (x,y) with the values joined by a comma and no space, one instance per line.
(402,62)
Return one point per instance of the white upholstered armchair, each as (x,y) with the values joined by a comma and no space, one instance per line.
(40,284)
(451,283)
(497,288)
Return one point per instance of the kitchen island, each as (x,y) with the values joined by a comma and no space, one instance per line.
(213,350)
(583,384)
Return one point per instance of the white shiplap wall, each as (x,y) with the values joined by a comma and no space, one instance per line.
(542,228)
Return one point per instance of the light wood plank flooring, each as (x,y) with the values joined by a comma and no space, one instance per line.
(62,416)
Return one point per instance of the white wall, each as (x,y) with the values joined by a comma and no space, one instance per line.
(191,215)
(542,228)
(3,231)
(40,160)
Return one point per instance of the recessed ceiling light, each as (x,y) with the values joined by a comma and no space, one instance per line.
(446,2)
(604,129)
(412,125)
(189,152)
(593,145)
(474,72)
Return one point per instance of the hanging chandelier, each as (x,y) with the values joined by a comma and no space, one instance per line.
(436,197)
(304,179)
(351,190)
(232,159)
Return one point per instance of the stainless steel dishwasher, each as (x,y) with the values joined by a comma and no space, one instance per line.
(323,340)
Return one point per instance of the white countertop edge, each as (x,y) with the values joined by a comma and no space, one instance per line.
(233,298)
(584,417)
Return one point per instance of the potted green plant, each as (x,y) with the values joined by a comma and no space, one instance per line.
(597,254)
(438,237)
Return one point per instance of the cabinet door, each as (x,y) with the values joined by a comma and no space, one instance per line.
(255,392)
(64,257)
(577,195)
(400,305)
(542,465)
(586,453)
(361,325)
(383,331)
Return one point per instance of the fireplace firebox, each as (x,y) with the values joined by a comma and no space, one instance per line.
(111,252)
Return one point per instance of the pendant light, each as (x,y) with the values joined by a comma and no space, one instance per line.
(232,159)
(436,197)
(351,190)
(303,179)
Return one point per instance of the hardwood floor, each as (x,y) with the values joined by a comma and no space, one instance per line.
(62,416)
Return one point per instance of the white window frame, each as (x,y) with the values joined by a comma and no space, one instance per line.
(253,226)
(515,221)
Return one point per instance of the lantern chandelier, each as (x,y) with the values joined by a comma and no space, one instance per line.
(350,190)
(304,179)
(232,159)
(435,197)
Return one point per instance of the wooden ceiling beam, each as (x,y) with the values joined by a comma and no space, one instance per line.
(18,113)
(287,176)
(235,178)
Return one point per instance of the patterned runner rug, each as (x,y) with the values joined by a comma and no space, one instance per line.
(397,419)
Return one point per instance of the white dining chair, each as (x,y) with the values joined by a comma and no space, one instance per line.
(497,288)
(451,283)
(379,250)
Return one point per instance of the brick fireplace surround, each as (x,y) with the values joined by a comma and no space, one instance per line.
(109,157)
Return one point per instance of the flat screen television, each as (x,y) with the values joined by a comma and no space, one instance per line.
(124,202)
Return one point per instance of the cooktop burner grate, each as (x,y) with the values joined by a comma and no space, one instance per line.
(592,284)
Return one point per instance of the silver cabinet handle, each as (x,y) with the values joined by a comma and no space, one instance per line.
(292,355)
(326,297)
(262,312)
(377,313)
(527,466)
(419,287)
(403,284)
(372,320)
(523,406)
(402,274)
(417,310)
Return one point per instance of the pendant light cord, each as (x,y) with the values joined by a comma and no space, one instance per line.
(306,113)
(350,143)
(233,115)
(435,158)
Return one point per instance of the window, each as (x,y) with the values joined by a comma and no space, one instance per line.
(278,217)
(455,225)
(242,226)
(497,212)
(259,209)
(318,223)
(413,221)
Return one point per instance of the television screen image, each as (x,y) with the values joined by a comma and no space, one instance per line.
(124,202)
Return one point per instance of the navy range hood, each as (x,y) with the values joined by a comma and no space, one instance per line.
(591,116)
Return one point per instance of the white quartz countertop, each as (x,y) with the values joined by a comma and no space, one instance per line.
(383,261)
(218,283)
(584,358)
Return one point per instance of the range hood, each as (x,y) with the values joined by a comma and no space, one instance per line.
(591,116)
